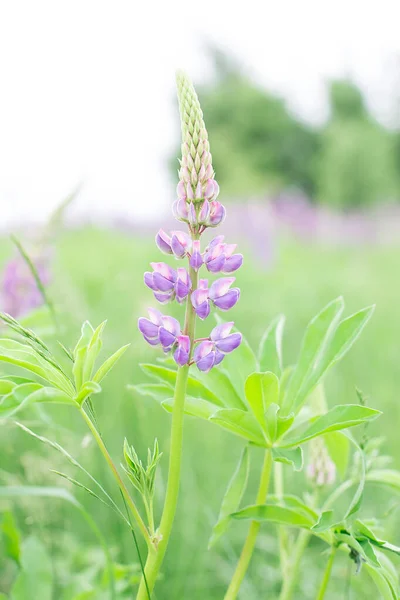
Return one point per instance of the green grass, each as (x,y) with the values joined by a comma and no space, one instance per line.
(98,276)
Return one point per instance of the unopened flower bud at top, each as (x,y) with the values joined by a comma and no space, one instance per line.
(196,171)
(321,469)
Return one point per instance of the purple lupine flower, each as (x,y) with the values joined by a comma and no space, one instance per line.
(196,260)
(217,214)
(164,330)
(180,210)
(220,257)
(168,283)
(211,352)
(218,293)
(182,352)
(178,244)
(20,293)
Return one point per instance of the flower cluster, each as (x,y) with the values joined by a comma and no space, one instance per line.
(198,207)
(321,469)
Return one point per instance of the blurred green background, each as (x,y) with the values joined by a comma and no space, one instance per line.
(294,266)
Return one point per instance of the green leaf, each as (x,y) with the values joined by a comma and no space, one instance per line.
(284,424)
(261,389)
(93,350)
(232,498)
(35,579)
(195,389)
(339,417)
(270,350)
(317,335)
(158,391)
(382,582)
(275,514)
(343,339)
(29,393)
(361,546)
(289,456)
(240,422)
(195,407)
(271,419)
(11,537)
(6,386)
(109,364)
(219,384)
(86,390)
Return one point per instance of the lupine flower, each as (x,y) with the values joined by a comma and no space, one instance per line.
(220,257)
(168,283)
(210,353)
(196,205)
(321,470)
(163,330)
(218,293)
(178,244)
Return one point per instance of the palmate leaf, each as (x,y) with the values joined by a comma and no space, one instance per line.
(16,492)
(270,350)
(262,390)
(195,407)
(241,423)
(232,498)
(289,456)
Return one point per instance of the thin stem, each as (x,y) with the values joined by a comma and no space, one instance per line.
(250,542)
(290,577)
(327,574)
(282,533)
(156,557)
(117,476)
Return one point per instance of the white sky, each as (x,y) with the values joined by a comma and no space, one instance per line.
(87,86)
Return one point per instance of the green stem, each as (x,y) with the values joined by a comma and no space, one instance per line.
(250,542)
(156,557)
(117,476)
(282,533)
(327,574)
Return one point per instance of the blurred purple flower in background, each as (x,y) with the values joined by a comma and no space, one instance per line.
(19,291)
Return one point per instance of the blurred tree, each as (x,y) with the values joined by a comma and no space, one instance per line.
(356,165)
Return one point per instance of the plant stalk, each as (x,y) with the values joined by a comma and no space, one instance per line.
(118,478)
(156,557)
(327,574)
(250,542)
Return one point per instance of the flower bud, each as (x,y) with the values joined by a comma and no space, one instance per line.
(321,469)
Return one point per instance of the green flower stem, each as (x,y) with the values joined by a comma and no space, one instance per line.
(117,476)
(250,542)
(156,557)
(327,574)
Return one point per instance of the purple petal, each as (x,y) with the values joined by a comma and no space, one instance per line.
(149,281)
(166,338)
(162,284)
(228,300)
(181,190)
(230,343)
(192,214)
(221,331)
(163,241)
(216,241)
(165,270)
(155,316)
(196,260)
(220,287)
(217,214)
(199,191)
(203,310)
(198,297)
(182,352)
(171,324)
(147,328)
(183,276)
(163,298)
(180,210)
(204,212)
(202,350)
(206,364)
(152,342)
(203,284)
(216,265)
(233,263)
(219,357)
(181,290)
(189,192)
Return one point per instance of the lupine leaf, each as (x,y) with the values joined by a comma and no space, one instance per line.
(195,389)
(318,333)
(344,337)
(220,386)
(232,498)
(93,350)
(29,393)
(361,546)
(291,501)
(338,447)
(275,514)
(108,364)
(270,350)
(195,407)
(6,386)
(339,417)
(158,391)
(86,390)
(261,389)
(271,419)
(289,456)
(387,477)
(240,422)
(382,583)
